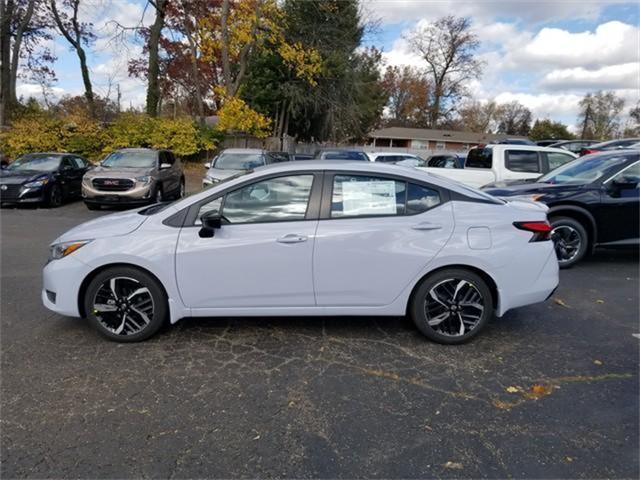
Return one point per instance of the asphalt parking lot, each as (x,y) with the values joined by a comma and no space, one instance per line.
(548,391)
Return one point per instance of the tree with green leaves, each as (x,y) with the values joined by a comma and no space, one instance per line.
(549,130)
(599,116)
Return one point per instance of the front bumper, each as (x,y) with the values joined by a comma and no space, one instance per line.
(138,195)
(23,196)
(61,281)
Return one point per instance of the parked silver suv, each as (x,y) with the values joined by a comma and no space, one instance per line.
(133,176)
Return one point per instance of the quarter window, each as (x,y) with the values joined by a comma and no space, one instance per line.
(273,200)
(420,199)
(522,161)
(359,195)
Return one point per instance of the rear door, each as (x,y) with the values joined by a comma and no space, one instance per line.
(375,235)
(71,175)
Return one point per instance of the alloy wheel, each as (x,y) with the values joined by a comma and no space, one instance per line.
(454,307)
(123,306)
(56,196)
(567,242)
(158,195)
(182,189)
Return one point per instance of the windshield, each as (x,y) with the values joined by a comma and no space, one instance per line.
(479,158)
(582,170)
(41,163)
(238,161)
(131,159)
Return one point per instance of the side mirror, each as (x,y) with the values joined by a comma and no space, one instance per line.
(207,165)
(624,183)
(165,166)
(210,223)
(4,164)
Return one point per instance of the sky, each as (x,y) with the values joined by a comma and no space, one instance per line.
(545,54)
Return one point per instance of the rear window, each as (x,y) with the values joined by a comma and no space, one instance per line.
(522,161)
(345,155)
(479,158)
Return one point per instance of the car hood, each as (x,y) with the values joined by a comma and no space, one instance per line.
(8,177)
(118,172)
(116,224)
(222,174)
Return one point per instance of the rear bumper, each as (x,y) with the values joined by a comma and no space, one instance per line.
(540,288)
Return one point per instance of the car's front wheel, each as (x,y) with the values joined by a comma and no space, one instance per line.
(125,304)
(451,306)
(55,197)
(570,239)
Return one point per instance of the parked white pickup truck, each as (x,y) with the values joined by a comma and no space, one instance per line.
(497,163)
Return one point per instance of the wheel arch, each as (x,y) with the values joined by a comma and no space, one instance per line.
(579,214)
(491,283)
(91,275)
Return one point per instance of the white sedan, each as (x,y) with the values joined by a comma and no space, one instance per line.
(308,238)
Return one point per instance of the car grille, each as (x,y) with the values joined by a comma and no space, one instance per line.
(10,192)
(113,184)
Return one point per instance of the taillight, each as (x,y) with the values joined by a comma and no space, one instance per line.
(587,151)
(541,230)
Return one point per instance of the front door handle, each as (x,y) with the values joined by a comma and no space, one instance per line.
(426,226)
(292,238)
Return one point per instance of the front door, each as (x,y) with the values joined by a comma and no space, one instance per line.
(380,234)
(262,254)
(619,209)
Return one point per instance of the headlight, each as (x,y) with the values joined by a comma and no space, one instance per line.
(36,184)
(61,250)
(145,180)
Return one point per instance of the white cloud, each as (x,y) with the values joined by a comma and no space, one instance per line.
(626,75)
(532,12)
(544,105)
(26,90)
(611,43)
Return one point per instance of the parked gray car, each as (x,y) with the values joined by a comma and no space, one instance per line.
(236,161)
(134,176)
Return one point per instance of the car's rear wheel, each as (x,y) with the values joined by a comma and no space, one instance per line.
(570,239)
(125,304)
(55,197)
(451,306)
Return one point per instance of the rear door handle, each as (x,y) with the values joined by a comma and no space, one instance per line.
(426,226)
(292,238)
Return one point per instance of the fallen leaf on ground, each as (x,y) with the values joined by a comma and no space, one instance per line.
(453,465)
(540,390)
(560,302)
(597,362)
(599,301)
(513,389)
(569,459)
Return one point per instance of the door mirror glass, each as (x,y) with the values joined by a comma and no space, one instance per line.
(207,165)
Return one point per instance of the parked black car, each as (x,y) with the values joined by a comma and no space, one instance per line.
(619,144)
(42,178)
(549,142)
(575,146)
(593,201)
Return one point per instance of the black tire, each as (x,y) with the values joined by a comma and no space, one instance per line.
(181,190)
(128,279)
(55,196)
(92,206)
(565,232)
(463,284)
(158,195)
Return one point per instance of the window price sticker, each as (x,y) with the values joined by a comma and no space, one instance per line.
(369,198)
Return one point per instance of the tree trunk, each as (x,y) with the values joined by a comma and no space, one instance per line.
(86,80)
(153,85)
(6,11)
(196,76)
(17,45)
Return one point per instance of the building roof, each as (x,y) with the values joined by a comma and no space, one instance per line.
(402,133)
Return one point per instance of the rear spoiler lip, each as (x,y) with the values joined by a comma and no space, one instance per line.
(510,201)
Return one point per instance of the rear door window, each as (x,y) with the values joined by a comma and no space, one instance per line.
(364,196)
(480,158)
(522,161)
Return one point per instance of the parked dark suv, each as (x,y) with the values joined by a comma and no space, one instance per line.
(593,201)
(134,176)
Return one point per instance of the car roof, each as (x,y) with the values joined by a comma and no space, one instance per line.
(242,150)
(613,142)
(387,154)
